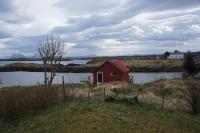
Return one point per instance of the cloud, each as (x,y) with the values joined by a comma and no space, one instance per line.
(6,6)
(4,35)
(2,46)
(157,5)
(9,13)
(128,9)
(105,27)
(24,44)
(86,6)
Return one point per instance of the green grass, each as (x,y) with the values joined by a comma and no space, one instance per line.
(91,116)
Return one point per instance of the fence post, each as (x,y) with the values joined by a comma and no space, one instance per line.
(89,89)
(104,92)
(124,92)
(69,79)
(63,85)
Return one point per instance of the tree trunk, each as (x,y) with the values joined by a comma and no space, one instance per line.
(45,73)
(89,91)
(63,82)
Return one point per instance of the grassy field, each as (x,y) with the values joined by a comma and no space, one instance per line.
(140,63)
(93,115)
(150,93)
(89,116)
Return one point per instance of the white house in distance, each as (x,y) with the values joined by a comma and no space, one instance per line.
(176,55)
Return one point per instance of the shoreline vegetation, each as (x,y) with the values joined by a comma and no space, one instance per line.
(133,64)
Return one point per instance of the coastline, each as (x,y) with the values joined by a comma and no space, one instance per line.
(84,68)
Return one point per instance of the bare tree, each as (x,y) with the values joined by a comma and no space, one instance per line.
(191,95)
(51,51)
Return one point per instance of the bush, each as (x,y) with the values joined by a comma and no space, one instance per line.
(109,98)
(163,92)
(125,90)
(16,102)
(191,95)
(189,63)
(116,98)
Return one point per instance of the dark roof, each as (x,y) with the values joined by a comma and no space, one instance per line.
(117,64)
(176,53)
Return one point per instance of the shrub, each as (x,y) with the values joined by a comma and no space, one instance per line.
(191,95)
(16,102)
(109,98)
(126,90)
(189,64)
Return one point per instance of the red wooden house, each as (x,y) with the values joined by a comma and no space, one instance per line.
(113,70)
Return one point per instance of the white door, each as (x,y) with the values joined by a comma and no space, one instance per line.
(99,78)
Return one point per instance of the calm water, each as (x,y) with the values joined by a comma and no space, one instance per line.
(3,63)
(140,78)
(32,78)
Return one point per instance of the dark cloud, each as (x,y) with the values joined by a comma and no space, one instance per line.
(6,6)
(4,35)
(157,5)
(86,6)
(81,25)
(25,44)
(9,14)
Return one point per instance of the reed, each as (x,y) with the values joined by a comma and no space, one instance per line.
(18,101)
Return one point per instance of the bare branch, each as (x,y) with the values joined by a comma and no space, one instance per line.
(51,51)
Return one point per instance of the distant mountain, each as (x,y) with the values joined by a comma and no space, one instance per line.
(17,56)
(196,53)
(35,56)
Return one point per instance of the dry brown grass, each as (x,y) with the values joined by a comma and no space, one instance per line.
(152,96)
(16,102)
(140,63)
(151,91)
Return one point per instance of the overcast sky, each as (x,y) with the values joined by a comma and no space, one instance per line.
(104,27)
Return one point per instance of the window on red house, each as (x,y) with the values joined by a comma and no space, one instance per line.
(113,74)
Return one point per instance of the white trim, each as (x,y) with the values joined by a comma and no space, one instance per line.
(97,78)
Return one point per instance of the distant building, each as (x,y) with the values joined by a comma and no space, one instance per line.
(113,70)
(176,55)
